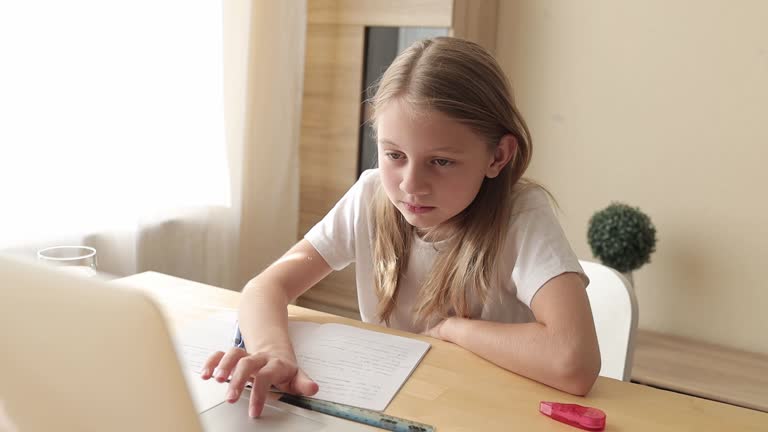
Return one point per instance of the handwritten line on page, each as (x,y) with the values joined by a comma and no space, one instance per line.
(352,366)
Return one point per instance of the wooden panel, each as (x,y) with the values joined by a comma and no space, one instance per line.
(476,20)
(404,13)
(699,369)
(330,118)
(333,80)
(335,298)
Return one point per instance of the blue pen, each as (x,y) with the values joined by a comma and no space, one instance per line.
(238,339)
(238,342)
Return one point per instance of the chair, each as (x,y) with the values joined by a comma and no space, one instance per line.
(614,309)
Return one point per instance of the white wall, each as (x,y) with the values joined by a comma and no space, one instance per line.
(662,105)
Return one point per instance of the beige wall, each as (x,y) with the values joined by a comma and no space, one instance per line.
(662,105)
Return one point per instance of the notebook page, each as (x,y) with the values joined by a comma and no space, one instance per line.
(199,339)
(358,367)
(196,341)
(352,366)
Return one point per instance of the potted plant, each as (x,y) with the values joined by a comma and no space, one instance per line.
(622,237)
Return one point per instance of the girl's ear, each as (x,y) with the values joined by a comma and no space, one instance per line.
(505,150)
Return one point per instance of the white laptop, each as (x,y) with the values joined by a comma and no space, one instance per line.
(81,354)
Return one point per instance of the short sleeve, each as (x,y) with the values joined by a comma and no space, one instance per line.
(334,236)
(542,249)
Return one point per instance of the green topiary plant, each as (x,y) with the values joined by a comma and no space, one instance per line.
(622,237)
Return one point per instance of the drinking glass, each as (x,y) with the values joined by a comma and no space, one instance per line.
(80,260)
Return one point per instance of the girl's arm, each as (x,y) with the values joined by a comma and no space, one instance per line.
(263,313)
(263,321)
(559,349)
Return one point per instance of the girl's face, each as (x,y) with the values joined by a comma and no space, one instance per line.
(431,166)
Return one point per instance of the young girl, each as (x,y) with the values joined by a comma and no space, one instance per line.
(447,238)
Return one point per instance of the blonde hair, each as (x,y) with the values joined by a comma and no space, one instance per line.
(462,80)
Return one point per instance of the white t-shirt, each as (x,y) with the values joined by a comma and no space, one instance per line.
(535,251)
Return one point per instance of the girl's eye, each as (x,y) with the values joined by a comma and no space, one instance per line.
(442,162)
(395,156)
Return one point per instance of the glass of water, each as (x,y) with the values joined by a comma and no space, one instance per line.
(80,260)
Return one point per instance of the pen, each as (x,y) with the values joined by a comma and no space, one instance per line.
(238,342)
(238,339)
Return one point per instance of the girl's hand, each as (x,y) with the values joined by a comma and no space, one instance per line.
(263,370)
(437,331)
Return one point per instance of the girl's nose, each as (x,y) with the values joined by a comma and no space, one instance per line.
(414,182)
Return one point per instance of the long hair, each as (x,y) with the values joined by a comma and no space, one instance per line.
(461,80)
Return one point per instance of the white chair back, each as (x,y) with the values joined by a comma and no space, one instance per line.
(614,309)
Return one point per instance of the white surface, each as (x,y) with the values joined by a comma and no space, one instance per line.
(196,341)
(352,366)
(206,394)
(614,309)
(85,355)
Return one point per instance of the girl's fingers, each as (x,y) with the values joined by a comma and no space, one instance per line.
(264,370)
(275,371)
(256,404)
(303,384)
(211,364)
(246,367)
(227,364)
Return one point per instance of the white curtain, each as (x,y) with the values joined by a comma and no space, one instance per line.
(164,134)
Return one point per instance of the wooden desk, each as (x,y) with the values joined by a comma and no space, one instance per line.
(700,369)
(456,390)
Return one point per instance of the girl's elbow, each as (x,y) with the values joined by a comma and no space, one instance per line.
(578,372)
(581,383)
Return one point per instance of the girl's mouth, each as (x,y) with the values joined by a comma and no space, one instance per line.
(418,209)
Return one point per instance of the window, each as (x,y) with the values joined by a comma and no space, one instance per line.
(109,111)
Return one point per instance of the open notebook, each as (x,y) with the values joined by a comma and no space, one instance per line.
(352,366)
